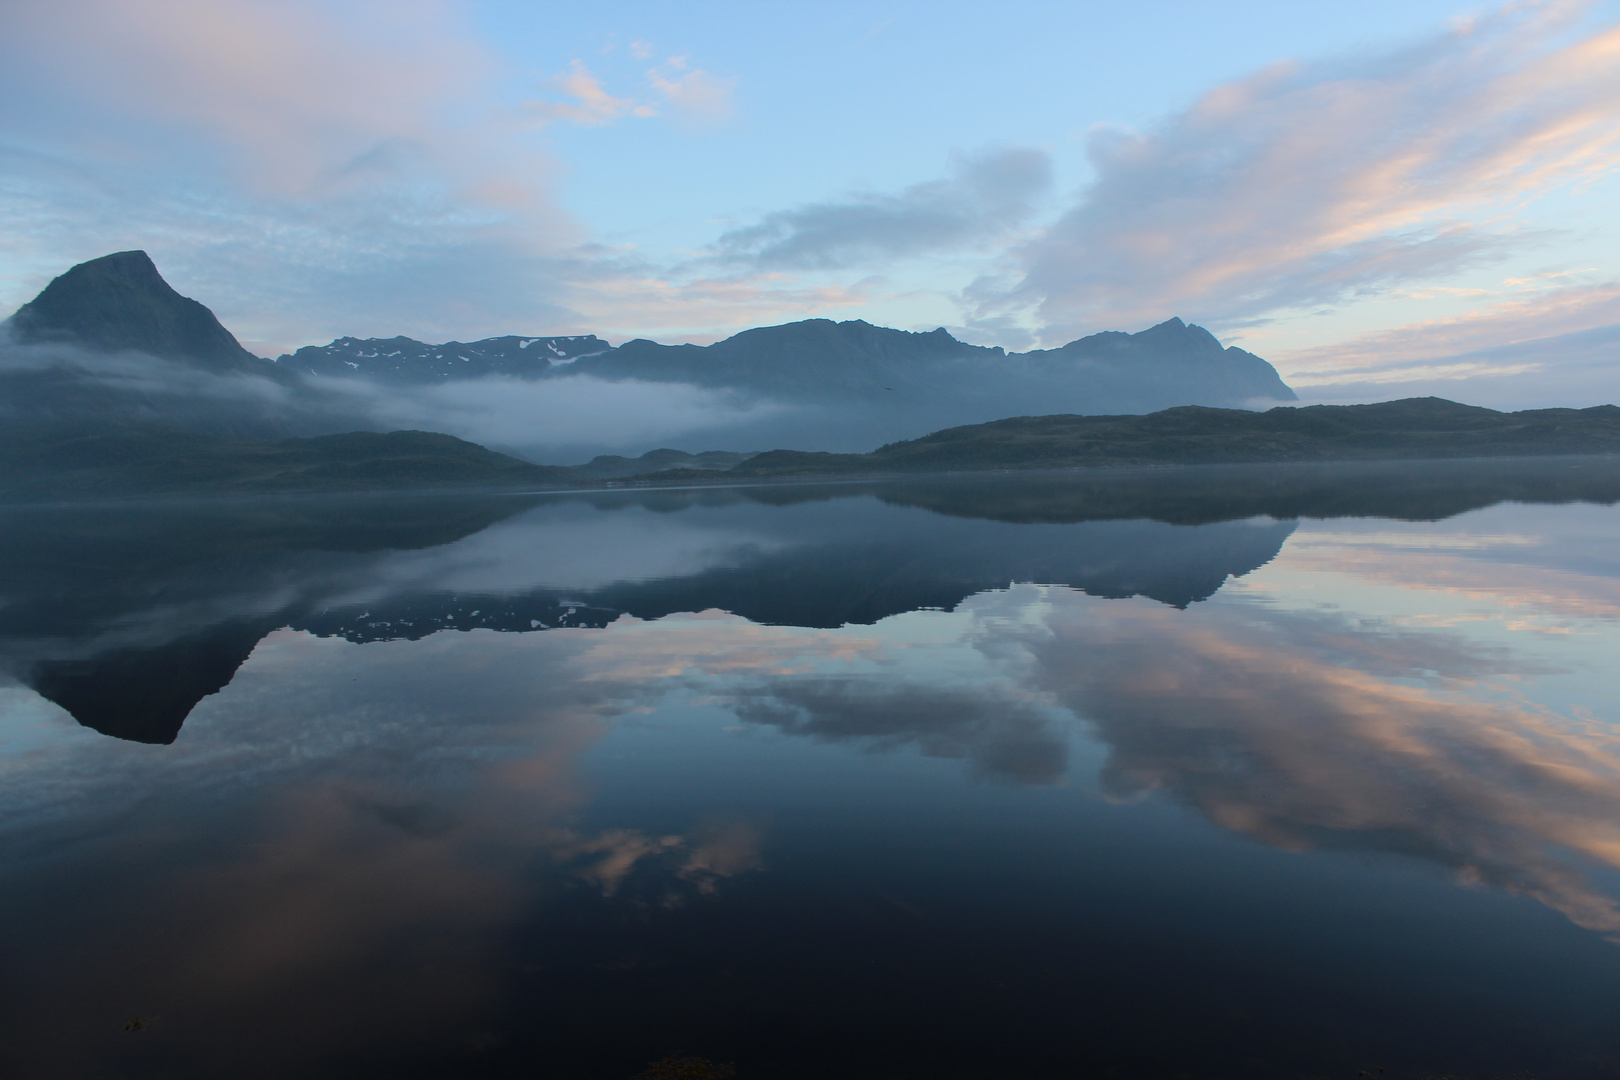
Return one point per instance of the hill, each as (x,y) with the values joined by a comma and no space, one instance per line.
(1411,428)
(148,460)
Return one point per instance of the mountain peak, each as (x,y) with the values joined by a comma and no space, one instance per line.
(120,301)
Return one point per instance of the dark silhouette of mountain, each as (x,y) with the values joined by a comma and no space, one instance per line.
(882,382)
(403,359)
(1162,364)
(1169,364)
(816,356)
(1411,428)
(121,302)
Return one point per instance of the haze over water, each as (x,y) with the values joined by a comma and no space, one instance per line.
(1204,772)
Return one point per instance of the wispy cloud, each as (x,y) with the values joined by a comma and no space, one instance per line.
(985,196)
(1507,322)
(312,170)
(588,103)
(1317,183)
(692,95)
(695,95)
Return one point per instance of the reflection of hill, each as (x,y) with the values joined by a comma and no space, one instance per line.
(858,579)
(127,616)
(1195,495)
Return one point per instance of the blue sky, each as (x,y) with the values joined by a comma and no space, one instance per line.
(1382,198)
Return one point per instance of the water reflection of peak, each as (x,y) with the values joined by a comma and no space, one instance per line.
(130,615)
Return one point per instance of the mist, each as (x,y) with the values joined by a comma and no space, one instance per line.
(562,420)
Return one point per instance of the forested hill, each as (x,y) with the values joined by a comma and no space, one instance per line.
(133,460)
(1410,428)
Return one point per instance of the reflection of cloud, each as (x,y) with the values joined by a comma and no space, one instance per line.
(1004,735)
(1547,589)
(611,855)
(340,817)
(564,544)
(1271,729)
(714,643)
(608,858)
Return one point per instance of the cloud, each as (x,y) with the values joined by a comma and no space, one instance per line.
(560,413)
(590,105)
(1504,324)
(697,96)
(303,168)
(984,197)
(1560,346)
(1318,183)
(294,96)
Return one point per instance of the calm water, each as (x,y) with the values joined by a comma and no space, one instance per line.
(1206,773)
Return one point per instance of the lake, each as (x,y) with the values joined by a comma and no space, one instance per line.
(1287,771)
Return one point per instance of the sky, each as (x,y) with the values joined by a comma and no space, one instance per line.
(1382,198)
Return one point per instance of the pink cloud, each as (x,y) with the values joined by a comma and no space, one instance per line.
(1310,184)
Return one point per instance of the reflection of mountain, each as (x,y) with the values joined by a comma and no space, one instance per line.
(144,695)
(128,616)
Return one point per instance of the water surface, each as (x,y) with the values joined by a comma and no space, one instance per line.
(1206,772)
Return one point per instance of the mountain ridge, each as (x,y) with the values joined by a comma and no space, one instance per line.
(852,359)
(408,360)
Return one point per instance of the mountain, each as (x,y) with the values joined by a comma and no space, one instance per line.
(1169,364)
(1162,364)
(816,357)
(111,341)
(403,359)
(1411,428)
(819,384)
(821,360)
(120,302)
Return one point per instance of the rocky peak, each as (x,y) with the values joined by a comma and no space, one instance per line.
(120,302)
